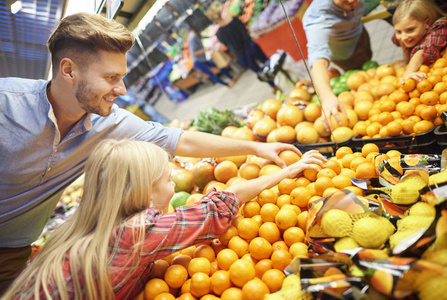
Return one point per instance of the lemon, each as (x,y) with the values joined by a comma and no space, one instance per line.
(436,256)
(434,288)
(414,223)
(345,243)
(437,178)
(390,229)
(404,194)
(397,237)
(336,223)
(422,209)
(414,180)
(369,232)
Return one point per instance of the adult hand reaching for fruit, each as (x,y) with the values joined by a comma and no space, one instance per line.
(271,152)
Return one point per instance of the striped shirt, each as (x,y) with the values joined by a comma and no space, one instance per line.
(165,234)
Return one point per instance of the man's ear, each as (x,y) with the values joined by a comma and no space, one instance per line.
(67,69)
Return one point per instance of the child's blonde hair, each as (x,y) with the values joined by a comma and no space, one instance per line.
(81,35)
(119,178)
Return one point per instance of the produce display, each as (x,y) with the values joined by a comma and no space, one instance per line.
(371,224)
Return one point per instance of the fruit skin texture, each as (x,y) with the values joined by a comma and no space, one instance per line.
(369,232)
(336,223)
(404,193)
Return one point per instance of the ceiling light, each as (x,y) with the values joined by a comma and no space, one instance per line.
(14,5)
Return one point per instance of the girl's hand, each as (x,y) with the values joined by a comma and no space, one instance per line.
(417,76)
(310,160)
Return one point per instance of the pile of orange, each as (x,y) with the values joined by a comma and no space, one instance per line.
(247,261)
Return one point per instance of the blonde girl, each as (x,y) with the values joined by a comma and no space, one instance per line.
(421,31)
(106,249)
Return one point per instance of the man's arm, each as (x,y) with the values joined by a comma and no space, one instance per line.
(200,144)
(330,103)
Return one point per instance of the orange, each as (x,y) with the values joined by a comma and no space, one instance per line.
(422,126)
(250,209)
(293,207)
(205,251)
(429,113)
(280,245)
(285,218)
(226,258)
(271,107)
(434,79)
(254,289)
(443,98)
(176,275)
(270,232)
(284,199)
(356,162)
(368,148)
(394,153)
(326,172)
(440,87)
(257,219)
(312,112)
(307,135)
(155,287)
(159,268)
(385,117)
(322,183)
(424,86)
(302,220)
(293,235)
(220,281)
(225,170)
(300,196)
(214,267)
(372,129)
(311,174)
(289,115)
(342,151)
(262,266)
(260,248)
(286,185)
(209,297)
(365,170)
(360,128)
(267,196)
(165,296)
(186,296)
(232,293)
(199,264)
(370,158)
(273,278)
(298,249)
(268,212)
(228,131)
(407,109)
(241,271)
(200,284)
(182,260)
(228,234)
(249,170)
(248,257)
(394,128)
(429,98)
(311,188)
(285,134)
(238,245)
(414,94)
(341,181)
(362,109)
(247,229)
(289,157)
(408,85)
(281,259)
(334,165)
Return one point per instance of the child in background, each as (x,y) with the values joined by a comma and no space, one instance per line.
(106,249)
(421,31)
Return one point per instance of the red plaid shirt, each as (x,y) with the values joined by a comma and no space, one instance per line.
(433,43)
(165,234)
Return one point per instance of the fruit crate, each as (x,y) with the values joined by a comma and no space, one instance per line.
(423,143)
(328,149)
(440,133)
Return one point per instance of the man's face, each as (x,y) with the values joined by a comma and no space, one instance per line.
(346,4)
(101,83)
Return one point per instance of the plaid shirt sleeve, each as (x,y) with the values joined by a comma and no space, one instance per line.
(434,41)
(165,234)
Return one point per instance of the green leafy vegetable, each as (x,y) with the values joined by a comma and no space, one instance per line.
(214,121)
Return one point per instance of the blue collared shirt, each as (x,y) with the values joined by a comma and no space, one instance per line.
(332,33)
(36,166)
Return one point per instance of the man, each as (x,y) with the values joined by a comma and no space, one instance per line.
(49,128)
(334,33)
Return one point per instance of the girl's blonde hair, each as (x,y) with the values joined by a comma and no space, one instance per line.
(119,177)
(421,10)
(81,35)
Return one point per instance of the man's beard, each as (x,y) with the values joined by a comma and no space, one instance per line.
(85,96)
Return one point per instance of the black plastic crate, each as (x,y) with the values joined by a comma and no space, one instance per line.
(328,149)
(424,143)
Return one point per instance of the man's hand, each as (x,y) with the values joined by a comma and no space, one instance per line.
(331,106)
(271,151)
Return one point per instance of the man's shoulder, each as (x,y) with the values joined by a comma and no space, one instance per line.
(21,85)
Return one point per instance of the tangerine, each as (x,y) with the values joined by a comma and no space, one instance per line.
(270,232)
(200,284)
(260,248)
(238,245)
(226,258)
(199,264)
(241,271)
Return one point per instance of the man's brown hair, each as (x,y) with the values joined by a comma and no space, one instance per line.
(81,35)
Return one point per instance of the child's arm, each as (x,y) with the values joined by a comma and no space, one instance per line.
(413,66)
(249,189)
